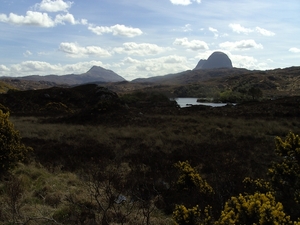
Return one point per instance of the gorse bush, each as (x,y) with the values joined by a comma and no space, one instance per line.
(285,174)
(12,150)
(189,178)
(259,209)
(257,185)
(183,215)
(275,201)
(4,108)
(191,183)
(192,216)
(265,202)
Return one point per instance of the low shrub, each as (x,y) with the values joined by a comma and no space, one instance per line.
(259,208)
(12,150)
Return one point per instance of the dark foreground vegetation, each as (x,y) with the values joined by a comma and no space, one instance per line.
(93,157)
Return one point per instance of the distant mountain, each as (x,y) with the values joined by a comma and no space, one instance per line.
(101,74)
(214,61)
(95,74)
(217,64)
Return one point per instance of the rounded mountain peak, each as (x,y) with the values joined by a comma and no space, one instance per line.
(215,60)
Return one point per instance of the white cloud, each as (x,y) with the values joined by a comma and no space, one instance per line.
(294,50)
(264,31)
(38,19)
(240,29)
(3,18)
(214,31)
(61,19)
(53,5)
(32,67)
(117,30)
(75,51)
(44,68)
(43,53)
(187,28)
(240,45)
(194,45)
(122,30)
(27,53)
(237,28)
(3,68)
(241,61)
(99,30)
(153,66)
(31,18)
(129,60)
(174,59)
(131,69)
(184,2)
(132,48)
(248,62)
(84,21)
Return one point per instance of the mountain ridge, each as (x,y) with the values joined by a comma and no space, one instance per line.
(190,76)
(94,74)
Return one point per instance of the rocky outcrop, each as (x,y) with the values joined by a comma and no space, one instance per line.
(215,60)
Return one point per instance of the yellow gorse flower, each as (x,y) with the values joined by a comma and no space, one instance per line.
(189,178)
(259,208)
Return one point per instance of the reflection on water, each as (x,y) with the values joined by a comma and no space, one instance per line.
(186,102)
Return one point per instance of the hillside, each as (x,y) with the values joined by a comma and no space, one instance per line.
(193,76)
(204,83)
(95,74)
(88,137)
(91,101)
(277,82)
(61,101)
(211,83)
(5,86)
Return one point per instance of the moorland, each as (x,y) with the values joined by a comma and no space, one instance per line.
(116,153)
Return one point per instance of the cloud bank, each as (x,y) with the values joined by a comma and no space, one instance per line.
(53,5)
(120,30)
(76,51)
(194,45)
(238,28)
(41,18)
(143,49)
(240,45)
(294,50)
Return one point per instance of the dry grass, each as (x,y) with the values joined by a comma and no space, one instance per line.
(45,197)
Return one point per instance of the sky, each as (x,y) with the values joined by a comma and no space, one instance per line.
(145,38)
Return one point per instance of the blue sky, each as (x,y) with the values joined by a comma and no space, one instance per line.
(144,38)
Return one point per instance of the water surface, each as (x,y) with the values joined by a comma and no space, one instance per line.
(186,102)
